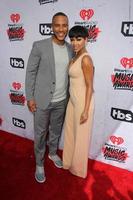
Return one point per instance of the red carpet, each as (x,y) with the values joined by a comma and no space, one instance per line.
(104,182)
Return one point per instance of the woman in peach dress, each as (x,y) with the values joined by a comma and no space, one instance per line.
(79,113)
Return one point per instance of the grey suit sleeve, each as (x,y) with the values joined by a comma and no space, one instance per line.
(31,72)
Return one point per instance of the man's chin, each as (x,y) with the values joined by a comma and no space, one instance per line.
(60,38)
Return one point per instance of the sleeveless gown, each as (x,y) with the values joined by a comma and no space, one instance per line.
(76,135)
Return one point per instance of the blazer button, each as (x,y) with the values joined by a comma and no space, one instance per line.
(51,92)
(53,82)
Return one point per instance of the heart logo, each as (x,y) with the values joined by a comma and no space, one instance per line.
(127,62)
(15,17)
(16,86)
(86,14)
(116,140)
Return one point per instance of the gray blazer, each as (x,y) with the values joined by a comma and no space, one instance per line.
(40,72)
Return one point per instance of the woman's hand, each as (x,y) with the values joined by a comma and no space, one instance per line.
(84,117)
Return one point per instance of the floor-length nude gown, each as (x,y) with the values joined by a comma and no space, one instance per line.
(77,136)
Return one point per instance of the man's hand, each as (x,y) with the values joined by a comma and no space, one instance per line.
(31,105)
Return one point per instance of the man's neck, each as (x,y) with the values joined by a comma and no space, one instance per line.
(55,40)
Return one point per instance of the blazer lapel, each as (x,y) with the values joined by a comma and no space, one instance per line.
(51,56)
(70,53)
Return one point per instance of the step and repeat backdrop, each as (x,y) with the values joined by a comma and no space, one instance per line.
(110,44)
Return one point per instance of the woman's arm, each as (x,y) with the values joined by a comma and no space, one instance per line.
(88,71)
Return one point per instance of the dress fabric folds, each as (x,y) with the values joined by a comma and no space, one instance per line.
(76,135)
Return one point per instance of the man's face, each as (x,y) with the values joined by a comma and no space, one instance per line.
(60,28)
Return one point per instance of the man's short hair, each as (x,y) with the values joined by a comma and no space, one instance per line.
(59,14)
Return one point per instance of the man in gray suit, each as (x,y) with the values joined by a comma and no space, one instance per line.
(46,91)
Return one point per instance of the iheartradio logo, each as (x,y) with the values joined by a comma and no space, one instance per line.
(116,140)
(86,14)
(16,85)
(127,62)
(15,17)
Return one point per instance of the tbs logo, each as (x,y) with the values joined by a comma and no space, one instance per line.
(18,123)
(127,29)
(17,62)
(122,115)
(45,29)
(46,1)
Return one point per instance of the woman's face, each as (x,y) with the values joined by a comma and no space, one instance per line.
(78,43)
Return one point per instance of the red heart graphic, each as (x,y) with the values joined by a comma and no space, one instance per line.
(117,140)
(86,14)
(127,62)
(15,17)
(16,86)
